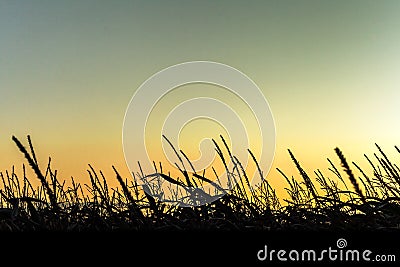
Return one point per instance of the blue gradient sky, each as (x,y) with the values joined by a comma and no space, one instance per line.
(329,69)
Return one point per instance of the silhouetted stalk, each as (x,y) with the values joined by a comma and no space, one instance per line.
(39,174)
(349,173)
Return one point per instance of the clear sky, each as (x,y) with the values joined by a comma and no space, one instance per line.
(68,69)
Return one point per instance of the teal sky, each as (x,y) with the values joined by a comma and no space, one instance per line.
(329,69)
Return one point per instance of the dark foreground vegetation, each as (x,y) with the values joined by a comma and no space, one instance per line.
(344,201)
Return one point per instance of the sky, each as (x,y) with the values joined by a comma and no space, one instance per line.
(68,70)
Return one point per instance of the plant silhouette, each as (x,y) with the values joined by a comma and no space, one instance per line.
(320,203)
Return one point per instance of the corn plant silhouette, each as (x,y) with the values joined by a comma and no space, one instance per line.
(322,202)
